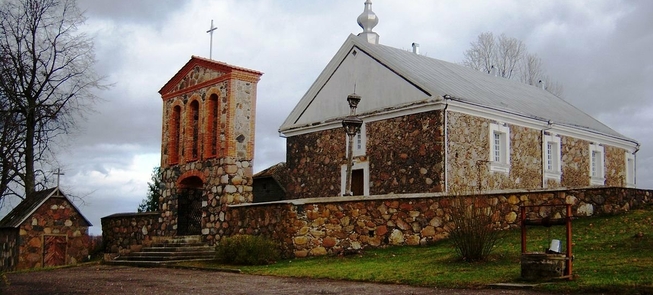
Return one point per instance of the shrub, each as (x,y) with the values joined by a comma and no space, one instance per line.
(247,250)
(473,232)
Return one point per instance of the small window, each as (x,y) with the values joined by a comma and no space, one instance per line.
(359,142)
(551,156)
(597,170)
(499,148)
(630,170)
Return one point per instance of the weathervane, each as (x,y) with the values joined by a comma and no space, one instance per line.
(210,31)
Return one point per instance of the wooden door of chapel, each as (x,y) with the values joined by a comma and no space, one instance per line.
(54,250)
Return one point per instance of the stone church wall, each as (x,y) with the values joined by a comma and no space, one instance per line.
(615,166)
(468,154)
(405,155)
(314,164)
(575,162)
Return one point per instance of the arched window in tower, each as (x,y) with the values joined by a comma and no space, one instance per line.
(212,144)
(194,123)
(175,135)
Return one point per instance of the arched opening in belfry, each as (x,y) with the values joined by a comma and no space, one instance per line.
(175,135)
(193,120)
(189,206)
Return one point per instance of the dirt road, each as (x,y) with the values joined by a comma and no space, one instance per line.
(114,280)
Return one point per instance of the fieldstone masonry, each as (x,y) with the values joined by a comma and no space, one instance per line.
(56,217)
(321,226)
(207,146)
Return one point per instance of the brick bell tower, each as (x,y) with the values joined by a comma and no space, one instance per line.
(207,146)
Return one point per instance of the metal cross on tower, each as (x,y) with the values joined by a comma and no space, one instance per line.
(210,31)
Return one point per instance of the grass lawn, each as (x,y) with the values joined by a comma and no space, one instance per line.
(612,254)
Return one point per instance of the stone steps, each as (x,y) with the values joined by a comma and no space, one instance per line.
(165,250)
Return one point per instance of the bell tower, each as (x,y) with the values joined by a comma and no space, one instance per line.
(207,145)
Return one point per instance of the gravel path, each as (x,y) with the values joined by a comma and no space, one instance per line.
(114,280)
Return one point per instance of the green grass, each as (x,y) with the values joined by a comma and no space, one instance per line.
(608,258)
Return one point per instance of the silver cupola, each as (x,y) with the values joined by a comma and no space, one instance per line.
(368,20)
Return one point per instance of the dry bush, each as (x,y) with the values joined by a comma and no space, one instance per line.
(247,250)
(473,232)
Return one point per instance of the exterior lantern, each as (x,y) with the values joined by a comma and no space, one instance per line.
(353,101)
(352,124)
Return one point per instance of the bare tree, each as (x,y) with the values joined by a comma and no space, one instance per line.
(47,79)
(481,55)
(509,58)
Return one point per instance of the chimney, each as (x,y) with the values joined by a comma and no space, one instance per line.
(415,48)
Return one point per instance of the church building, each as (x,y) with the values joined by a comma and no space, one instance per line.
(435,126)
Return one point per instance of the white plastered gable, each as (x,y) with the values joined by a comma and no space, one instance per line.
(352,70)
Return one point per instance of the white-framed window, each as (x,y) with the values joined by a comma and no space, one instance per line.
(360,140)
(597,170)
(360,178)
(551,157)
(630,169)
(499,148)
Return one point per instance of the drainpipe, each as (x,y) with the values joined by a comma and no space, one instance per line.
(635,165)
(446,143)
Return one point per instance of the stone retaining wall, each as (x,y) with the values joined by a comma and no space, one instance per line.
(126,232)
(320,226)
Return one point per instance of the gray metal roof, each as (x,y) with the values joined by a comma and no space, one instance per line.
(439,78)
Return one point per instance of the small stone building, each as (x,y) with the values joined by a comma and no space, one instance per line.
(433,126)
(51,231)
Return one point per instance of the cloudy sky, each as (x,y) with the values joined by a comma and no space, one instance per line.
(599,50)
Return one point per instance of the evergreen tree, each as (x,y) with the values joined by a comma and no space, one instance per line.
(151,202)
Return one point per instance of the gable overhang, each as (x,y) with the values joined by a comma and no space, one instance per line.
(372,116)
(290,125)
(513,118)
(55,193)
(230,71)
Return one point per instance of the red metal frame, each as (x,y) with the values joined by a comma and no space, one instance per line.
(549,222)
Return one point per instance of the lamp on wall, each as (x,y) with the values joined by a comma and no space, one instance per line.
(352,124)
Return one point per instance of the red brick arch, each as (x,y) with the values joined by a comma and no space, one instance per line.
(189,174)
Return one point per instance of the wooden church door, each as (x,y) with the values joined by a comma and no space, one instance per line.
(357,182)
(54,250)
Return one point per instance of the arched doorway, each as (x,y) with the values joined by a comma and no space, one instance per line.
(189,206)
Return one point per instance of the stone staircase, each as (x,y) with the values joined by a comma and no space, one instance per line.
(167,250)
